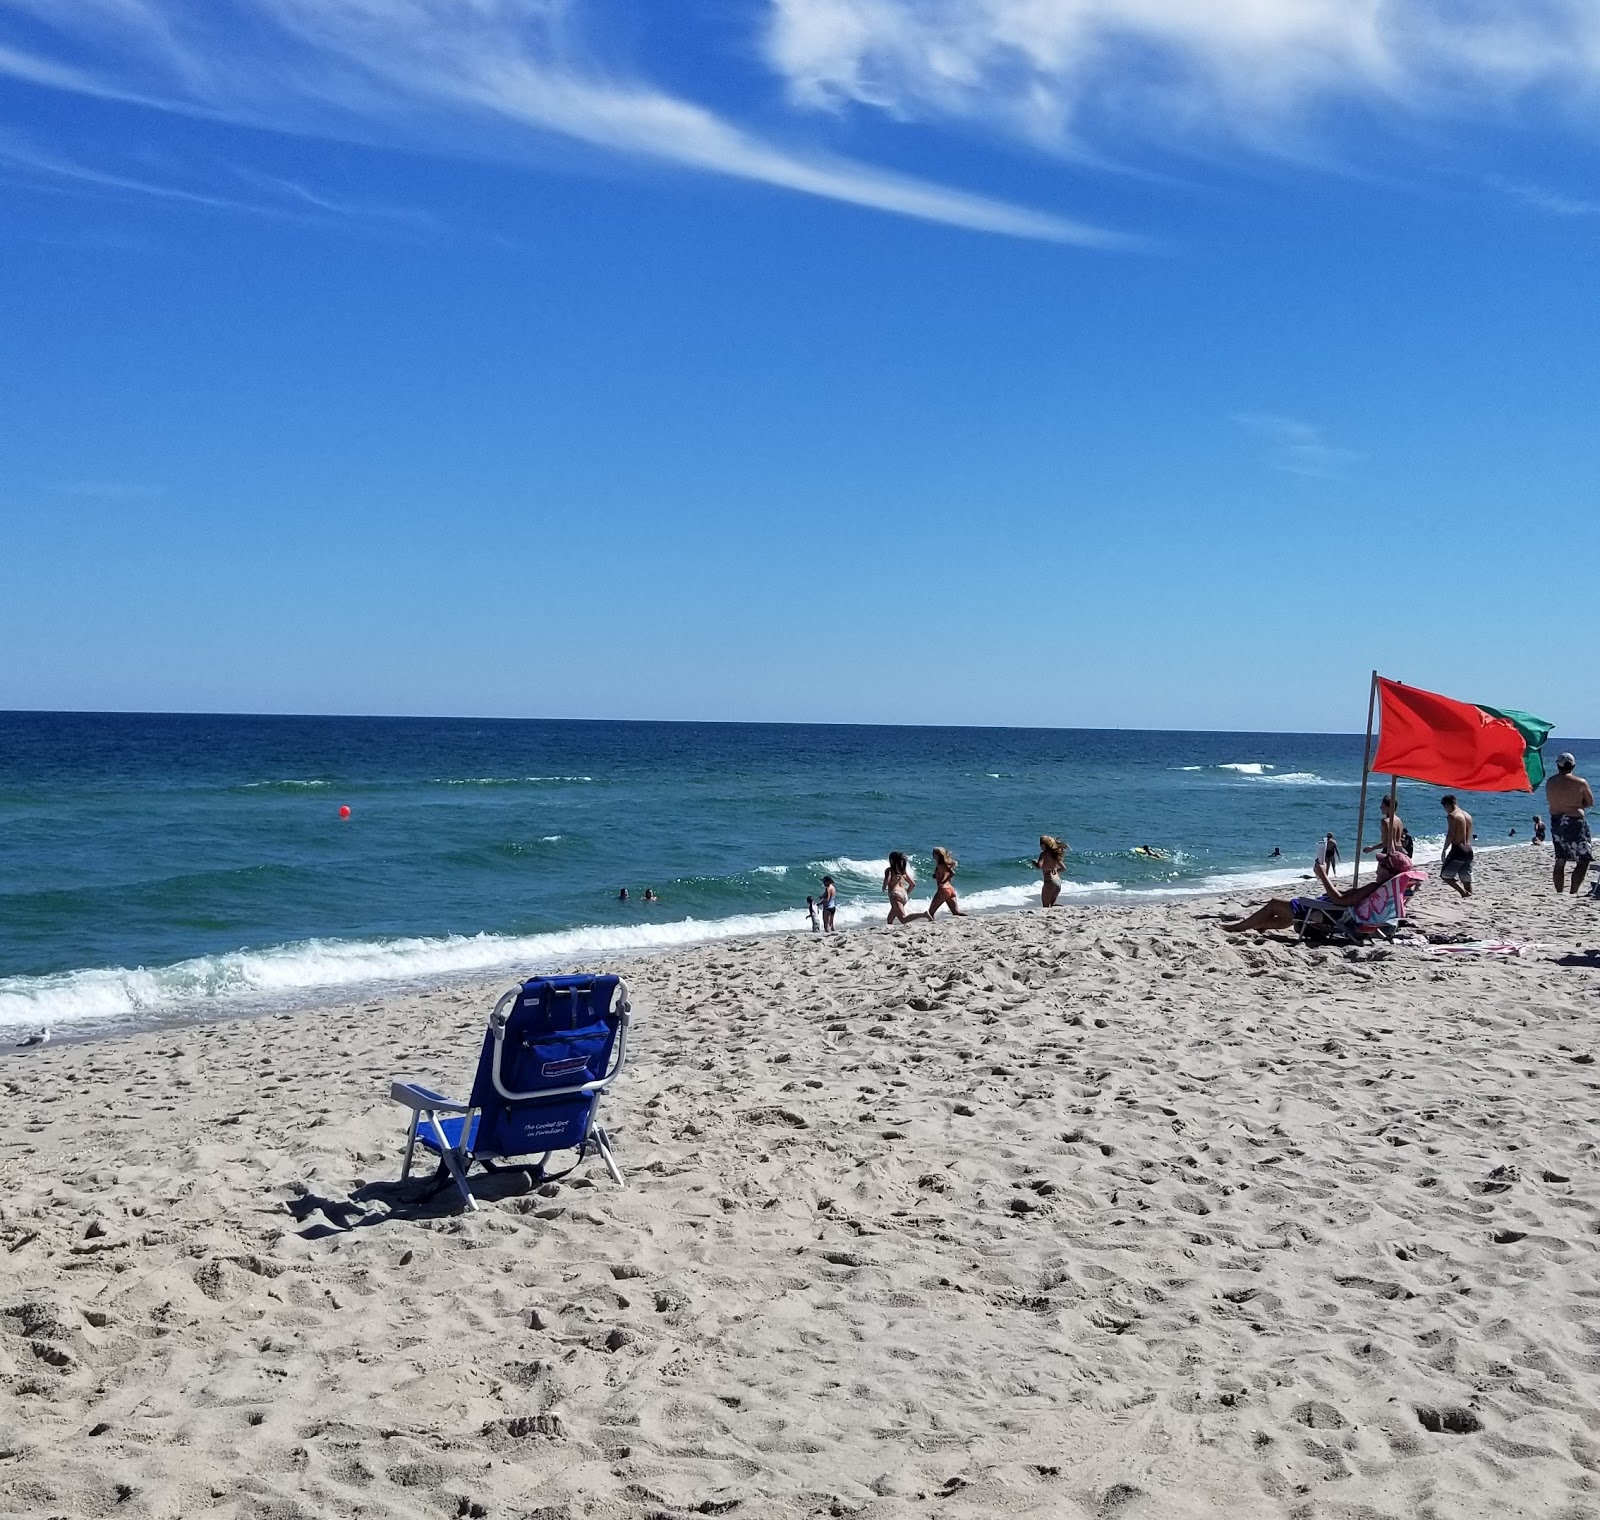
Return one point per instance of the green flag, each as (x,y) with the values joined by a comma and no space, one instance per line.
(1534,732)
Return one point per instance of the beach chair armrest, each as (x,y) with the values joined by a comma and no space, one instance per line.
(423,1099)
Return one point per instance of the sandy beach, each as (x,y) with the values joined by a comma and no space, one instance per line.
(1089,1213)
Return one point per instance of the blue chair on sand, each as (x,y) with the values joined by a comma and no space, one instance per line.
(554,1045)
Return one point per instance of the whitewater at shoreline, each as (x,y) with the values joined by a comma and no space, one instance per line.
(97,1002)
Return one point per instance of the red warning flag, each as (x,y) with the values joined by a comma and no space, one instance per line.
(1426,737)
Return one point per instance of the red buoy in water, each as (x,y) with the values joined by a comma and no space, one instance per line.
(344,812)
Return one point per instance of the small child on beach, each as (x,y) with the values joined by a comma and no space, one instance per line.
(811,910)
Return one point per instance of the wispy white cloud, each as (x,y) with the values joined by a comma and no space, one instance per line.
(277,198)
(483,76)
(1065,72)
(1293,446)
(1541,198)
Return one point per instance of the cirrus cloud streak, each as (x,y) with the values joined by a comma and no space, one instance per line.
(482,77)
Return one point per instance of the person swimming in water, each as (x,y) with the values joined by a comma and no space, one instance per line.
(899,883)
(944,890)
(1050,863)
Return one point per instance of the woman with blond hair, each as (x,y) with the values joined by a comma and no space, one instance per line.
(944,887)
(899,883)
(1052,860)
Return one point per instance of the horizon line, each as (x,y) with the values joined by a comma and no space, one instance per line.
(135,712)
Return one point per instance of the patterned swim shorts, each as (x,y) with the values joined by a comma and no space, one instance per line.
(1457,864)
(1569,834)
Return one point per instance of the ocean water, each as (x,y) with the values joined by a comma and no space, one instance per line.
(162,867)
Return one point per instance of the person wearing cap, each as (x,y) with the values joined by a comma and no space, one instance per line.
(1569,796)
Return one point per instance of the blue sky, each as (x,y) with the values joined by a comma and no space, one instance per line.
(1071,362)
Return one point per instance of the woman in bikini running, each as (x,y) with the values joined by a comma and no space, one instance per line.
(1052,859)
(898,882)
(944,889)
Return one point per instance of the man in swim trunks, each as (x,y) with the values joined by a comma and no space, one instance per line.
(1456,865)
(1568,795)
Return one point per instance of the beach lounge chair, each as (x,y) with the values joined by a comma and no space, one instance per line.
(1377,916)
(553,1046)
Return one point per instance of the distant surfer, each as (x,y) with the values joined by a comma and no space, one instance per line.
(1152,852)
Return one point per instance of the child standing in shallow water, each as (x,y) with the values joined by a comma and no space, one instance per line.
(944,891)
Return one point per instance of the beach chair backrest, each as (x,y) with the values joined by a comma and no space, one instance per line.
(1388,904)
(552,1035)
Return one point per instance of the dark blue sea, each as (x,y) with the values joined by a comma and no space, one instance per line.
(161,867)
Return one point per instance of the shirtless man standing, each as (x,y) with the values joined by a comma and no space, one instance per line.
(1568,795)
(1456,865)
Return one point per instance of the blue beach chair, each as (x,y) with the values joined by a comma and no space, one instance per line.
(553,1046)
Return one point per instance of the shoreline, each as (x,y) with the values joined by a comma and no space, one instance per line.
(1090,1212)
(501,961)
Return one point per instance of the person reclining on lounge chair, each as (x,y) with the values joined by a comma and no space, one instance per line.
(1285,913)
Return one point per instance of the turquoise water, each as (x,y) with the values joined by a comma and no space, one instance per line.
(175,866)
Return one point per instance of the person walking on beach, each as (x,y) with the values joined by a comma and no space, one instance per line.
(1051,861)
(1455,866)
(1569,797)
(1326,865)
(829,904)
(944,887)
(899,883)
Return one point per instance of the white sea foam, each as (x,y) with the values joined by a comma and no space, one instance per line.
(310,969)
(290,785)
(772,870)
(845,866)
(495,780)
(549,839)
(1246,767)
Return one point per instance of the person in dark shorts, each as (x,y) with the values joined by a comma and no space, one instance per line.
(1538,829)
(829,904)
(1569,796)
(1456,866)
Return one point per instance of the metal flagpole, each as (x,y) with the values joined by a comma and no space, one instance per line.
(1366,762)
